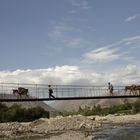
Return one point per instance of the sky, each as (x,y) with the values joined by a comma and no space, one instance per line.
(70,41)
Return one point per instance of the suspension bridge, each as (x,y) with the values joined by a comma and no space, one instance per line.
(39,92)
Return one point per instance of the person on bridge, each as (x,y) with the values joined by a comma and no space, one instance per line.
(110,88)
(50,91)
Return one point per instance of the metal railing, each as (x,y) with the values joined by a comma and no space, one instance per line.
(40,91)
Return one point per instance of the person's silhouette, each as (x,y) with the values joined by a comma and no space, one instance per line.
(50,91)
(110,88)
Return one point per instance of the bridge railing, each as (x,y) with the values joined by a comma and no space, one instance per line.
(59,91)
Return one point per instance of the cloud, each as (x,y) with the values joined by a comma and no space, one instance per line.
(63,75)
(72,12)
(136,47)
(57,75)
(101,55)
(127,75)
(120,50)
(130,70)
(83,4)
(58,31)
(66,35)
(130,18)
(125,41)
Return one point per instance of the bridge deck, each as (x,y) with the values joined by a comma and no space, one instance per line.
(62,92)
(66,98)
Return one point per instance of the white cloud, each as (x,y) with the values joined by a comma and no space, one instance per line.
(125,41)
(130,70)
(58,32)
(62,75)
(72,12)
(130,18)
(66,35)
(121,49)
(83,4)
(127,75)
(136,47)
(134,38)
(57,75)
(101,55)
(75,42)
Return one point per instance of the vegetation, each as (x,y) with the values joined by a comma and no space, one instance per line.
(17,113)
(126,108)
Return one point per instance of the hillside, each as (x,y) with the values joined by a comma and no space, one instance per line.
(74,105)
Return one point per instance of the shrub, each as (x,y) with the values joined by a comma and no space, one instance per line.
(17,113)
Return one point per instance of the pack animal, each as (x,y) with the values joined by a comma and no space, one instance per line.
(21,91)
(133,89)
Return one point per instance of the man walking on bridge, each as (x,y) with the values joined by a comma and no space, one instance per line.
(110,88)
(50,91)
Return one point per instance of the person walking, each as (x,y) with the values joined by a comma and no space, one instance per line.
(110,88)
(50,91)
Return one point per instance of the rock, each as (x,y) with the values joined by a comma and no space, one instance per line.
(91,117)
(82,125)
(100,118)
(58,117)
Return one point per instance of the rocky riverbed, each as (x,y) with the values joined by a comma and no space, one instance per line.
(65,128)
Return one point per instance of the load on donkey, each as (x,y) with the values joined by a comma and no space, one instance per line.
(21,91)
(133,89)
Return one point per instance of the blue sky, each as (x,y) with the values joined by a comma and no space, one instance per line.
(69,37)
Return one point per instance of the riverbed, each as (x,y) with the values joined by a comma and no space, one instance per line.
(110,127)
(129,132)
